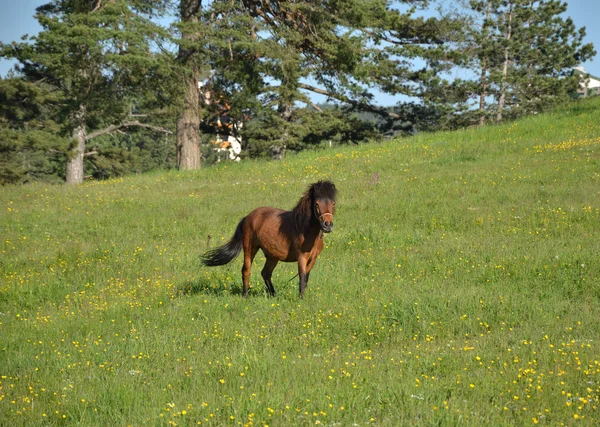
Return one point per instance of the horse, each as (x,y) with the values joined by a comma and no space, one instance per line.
(288,236)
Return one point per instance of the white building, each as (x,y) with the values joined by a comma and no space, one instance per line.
(588,85)
(227,138)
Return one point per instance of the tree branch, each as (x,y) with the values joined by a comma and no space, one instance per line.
(113,128)
(357,104)
(315,106)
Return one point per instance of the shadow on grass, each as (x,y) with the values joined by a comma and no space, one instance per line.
(208,287)
(216,287)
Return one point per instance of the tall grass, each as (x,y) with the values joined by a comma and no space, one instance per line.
(460,286)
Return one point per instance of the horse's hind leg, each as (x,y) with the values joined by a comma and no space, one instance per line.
(249,253)
(267,273)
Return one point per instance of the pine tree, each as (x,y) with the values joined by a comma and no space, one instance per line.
(30,148)
(522,52)
(548,47)
(94,53)
(338,49)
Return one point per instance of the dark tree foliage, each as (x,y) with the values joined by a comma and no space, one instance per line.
(31,148)
(97,55)
(268,59)
(545,47)
(521,54)
(107,88)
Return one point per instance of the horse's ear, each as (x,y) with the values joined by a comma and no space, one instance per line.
(303,213)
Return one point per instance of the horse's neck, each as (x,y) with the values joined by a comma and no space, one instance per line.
(313,232)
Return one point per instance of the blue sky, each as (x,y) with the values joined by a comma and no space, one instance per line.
(16,19)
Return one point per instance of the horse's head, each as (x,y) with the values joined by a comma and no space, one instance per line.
(317,205)
(323,196)
(324,210)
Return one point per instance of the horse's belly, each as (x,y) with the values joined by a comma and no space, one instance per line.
(278,251)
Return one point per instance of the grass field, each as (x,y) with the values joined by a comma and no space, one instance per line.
(461,286)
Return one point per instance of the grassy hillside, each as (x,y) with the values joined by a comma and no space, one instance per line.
(461,285)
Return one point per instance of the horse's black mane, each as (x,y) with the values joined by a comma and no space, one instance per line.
(303,212)
(323,190)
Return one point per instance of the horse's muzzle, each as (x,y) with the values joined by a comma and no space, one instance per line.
(327,226)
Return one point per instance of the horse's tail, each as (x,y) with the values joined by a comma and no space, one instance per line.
(226,253)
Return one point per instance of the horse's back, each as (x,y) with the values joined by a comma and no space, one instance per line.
(266,218)
(271,230)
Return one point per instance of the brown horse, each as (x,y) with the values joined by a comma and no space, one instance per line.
(288,236)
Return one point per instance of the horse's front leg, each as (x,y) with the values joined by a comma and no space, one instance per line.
(309,267)
(303,274)
(310,263)
(267,273)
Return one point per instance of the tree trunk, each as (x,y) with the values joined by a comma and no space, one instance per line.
(277,152)
(501,100)
(483,94)
(74,172)
(188,122)
(188,126)
(285,110)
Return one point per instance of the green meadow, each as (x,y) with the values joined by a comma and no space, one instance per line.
(460,286)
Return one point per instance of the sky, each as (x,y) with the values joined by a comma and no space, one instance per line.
(17,19)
